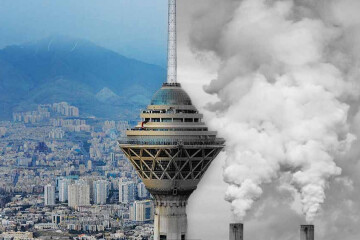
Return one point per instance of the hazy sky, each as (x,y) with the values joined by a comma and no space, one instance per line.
(135,28)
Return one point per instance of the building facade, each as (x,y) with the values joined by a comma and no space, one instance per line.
(63,189)
(79,194)
(142,192)
(49,195)
(100,193)
(126,191)
(142,211)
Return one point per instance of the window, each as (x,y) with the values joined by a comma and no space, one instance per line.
(166,119)
(188,120)
(182,236)
(162,237)
(148,213)
(178,120)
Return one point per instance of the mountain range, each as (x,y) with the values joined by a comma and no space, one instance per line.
(100,82)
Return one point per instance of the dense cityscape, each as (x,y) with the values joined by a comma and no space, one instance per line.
(63,176)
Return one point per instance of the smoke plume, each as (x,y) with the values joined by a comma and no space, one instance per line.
(286,82)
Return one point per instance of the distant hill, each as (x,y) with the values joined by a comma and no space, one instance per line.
(98,81)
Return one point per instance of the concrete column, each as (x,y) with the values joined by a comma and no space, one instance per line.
(236,231)
(172,48)
(307,232)
(170,219)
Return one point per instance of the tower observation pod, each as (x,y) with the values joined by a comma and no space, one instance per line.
(171,148)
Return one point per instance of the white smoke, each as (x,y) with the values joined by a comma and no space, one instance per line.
(287,71)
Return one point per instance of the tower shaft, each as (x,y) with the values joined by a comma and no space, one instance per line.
(172,51)
(170,218)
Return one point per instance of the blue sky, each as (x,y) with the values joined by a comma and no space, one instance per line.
(134,28)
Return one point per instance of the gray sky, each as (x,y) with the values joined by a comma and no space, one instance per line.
(134,28)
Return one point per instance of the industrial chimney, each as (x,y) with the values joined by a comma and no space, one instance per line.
(307,232)
(236,231)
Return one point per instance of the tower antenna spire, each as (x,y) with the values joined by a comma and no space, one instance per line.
(172,51)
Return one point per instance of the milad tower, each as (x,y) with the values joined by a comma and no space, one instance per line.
(171,148)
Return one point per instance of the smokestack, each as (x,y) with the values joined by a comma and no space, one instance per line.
(307,232)
(236,231)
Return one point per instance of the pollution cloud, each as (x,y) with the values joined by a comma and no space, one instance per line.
(288,87)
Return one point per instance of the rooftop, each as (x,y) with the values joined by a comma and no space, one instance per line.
(171,94)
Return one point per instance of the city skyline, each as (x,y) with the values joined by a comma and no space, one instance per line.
(55,170)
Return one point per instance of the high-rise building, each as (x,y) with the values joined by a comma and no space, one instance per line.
(126,191)
(101,190)
(79,194)
(49,195)
(73,197)
(90,181)
(63,189)
(89,165)
(171,148)
(142,211)
(84,193)
(142,192)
